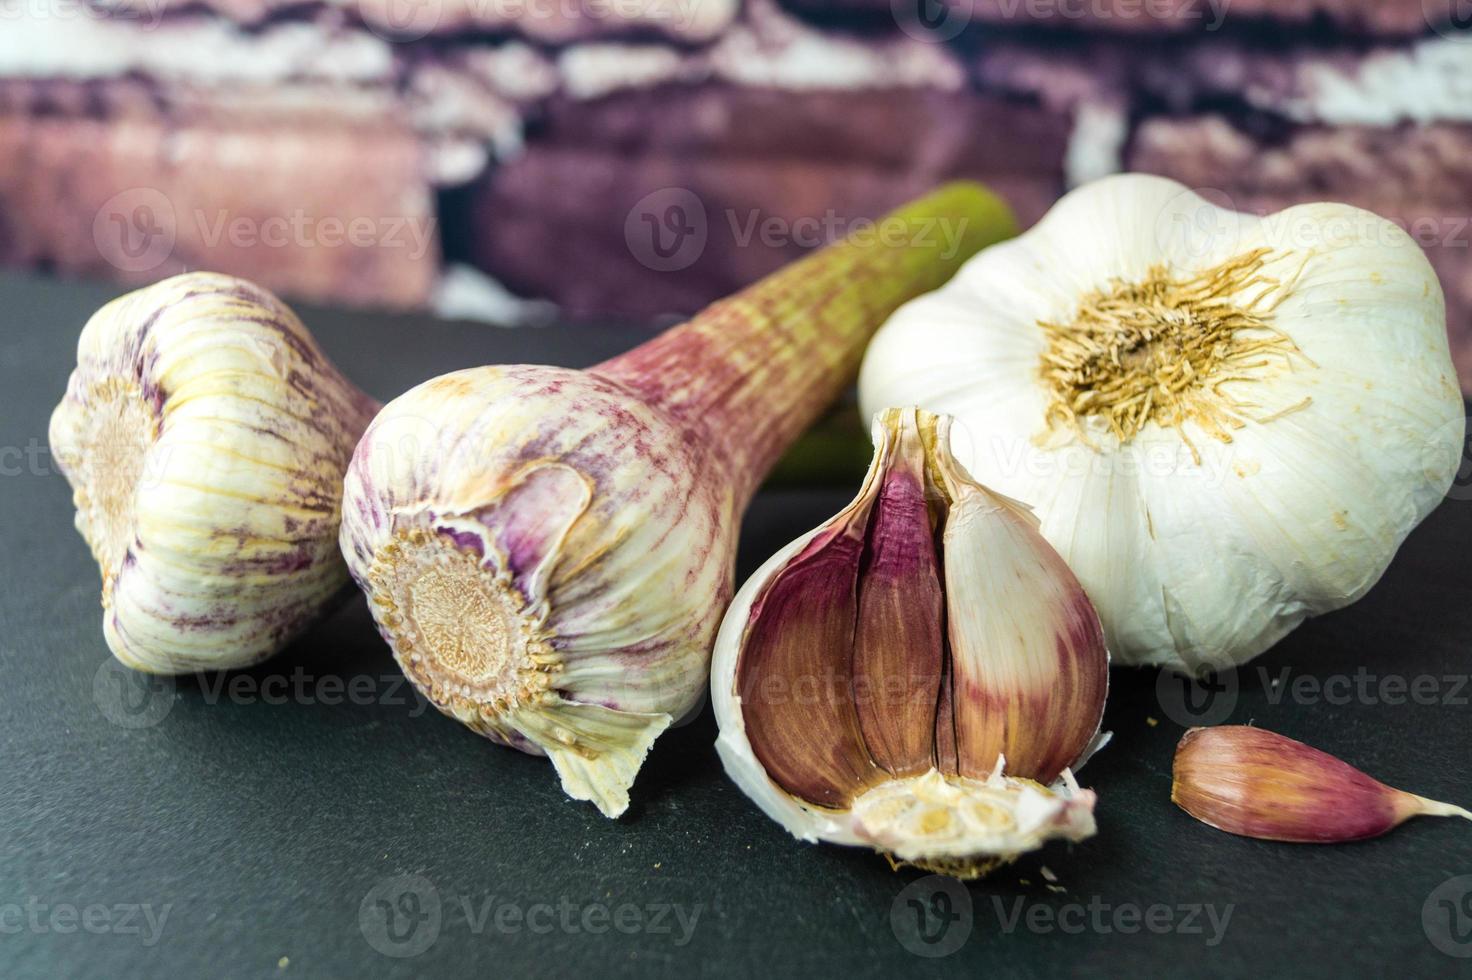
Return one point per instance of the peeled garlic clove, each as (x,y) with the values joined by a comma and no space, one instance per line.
(1259,784)
(913,674)
(1225,423)
(205,437)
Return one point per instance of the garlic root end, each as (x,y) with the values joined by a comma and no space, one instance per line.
(596,751)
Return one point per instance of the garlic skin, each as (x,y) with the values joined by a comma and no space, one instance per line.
(917,675)
(548,552)
(572,603)
(205,435)
(1255,783)
(1225,423)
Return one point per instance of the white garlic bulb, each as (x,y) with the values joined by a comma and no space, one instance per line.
(205,437)
(917,674)
(1226,423)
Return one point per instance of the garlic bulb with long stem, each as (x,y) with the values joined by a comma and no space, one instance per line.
(1226,423)
(548,552)
(913,674)
(205,437)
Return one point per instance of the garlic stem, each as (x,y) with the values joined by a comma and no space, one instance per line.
(548,552)
(754,370)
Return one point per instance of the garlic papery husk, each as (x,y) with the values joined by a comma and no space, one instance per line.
(1225,423)
(918,674)
(548,552)
(205,436)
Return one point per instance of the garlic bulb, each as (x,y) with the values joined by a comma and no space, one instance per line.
(548,552)
(912,674)
(205,436)
(1225,423)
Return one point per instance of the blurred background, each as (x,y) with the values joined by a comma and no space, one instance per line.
(518,160)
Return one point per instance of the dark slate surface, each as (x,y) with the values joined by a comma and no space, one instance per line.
(261,828)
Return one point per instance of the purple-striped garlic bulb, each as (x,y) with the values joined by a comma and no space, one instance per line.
(918,674)
(205,437)
(548,552)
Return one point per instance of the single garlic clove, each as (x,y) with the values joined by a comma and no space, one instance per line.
(205,436)
(1256,783)
(912,674)
(1226,423)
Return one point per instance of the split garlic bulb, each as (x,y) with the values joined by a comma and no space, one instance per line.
(205,437)
(1226,423)
(913,674)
